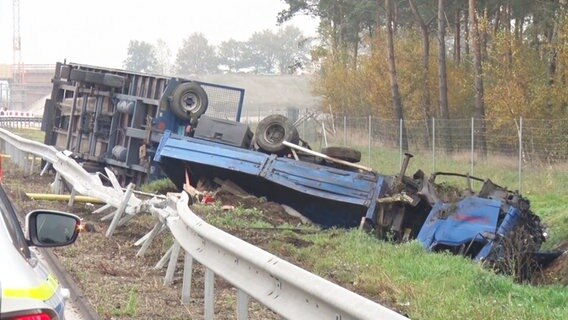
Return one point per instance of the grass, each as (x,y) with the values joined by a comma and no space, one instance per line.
(161,186)
(553,209)
(130,307)
(237,218)
(32,134)
(433,285)
(426,285)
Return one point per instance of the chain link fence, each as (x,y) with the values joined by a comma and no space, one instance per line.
(476,147)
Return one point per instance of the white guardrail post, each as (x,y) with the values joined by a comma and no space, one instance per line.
(286,289)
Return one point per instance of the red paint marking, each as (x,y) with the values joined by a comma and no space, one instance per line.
(473,219)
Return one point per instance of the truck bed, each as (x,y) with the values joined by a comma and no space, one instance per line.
(327,196)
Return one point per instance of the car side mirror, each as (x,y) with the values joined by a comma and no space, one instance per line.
(48,228)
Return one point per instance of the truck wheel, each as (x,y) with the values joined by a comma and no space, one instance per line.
(272,131)
(341,153)
(189,100)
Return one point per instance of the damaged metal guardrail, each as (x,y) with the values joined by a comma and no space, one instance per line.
(288,290)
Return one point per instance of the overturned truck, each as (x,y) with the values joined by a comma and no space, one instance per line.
(115,118)
(146,126)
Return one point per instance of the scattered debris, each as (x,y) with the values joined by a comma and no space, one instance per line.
(229,186)
(208,199)
(289,210)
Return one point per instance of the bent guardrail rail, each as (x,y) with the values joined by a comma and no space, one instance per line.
(286,289)
(82,181)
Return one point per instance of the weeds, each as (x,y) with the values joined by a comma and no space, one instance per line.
(427,285)
(130,307)
(161,186)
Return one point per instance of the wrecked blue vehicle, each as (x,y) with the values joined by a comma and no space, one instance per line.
(490,225)
(144,126)
(494,226)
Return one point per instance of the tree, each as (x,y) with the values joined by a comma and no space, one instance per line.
(163,57)
(261,52)
(231,54)
(196,56)
(442,73)
(341,23)
(396,100)
(478,72)
(140,57)
(426,99)
(294,49)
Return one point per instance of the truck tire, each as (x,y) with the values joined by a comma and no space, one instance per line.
(272,131)
(341,153)
(189,100)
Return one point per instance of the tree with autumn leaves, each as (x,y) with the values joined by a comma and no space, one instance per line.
(492,59)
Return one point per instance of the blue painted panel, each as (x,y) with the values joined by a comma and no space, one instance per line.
(460,223)
(322,181)
(210,153)
(309,178)
(510,221)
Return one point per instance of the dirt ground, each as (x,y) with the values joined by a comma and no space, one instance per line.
(120,285)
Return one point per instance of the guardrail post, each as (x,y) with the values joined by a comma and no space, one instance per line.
(102,209)
(187,272)
(57,184)
(172,264)
(209,295)
(32,164)
(149,237)
(71,202)
(19,157)
(242,305)
(164,259)
(118,213)
(45,168)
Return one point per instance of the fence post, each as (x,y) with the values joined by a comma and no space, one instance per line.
(369,141)
(304,134)
(521,155)
(344,130)
(472,144)
(433,144)
(400,123)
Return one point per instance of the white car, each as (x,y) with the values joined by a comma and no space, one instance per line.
(29,291)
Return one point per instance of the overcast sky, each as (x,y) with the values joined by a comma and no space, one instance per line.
(97,32)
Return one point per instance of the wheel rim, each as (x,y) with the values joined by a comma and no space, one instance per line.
(274,134)
(190,102)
